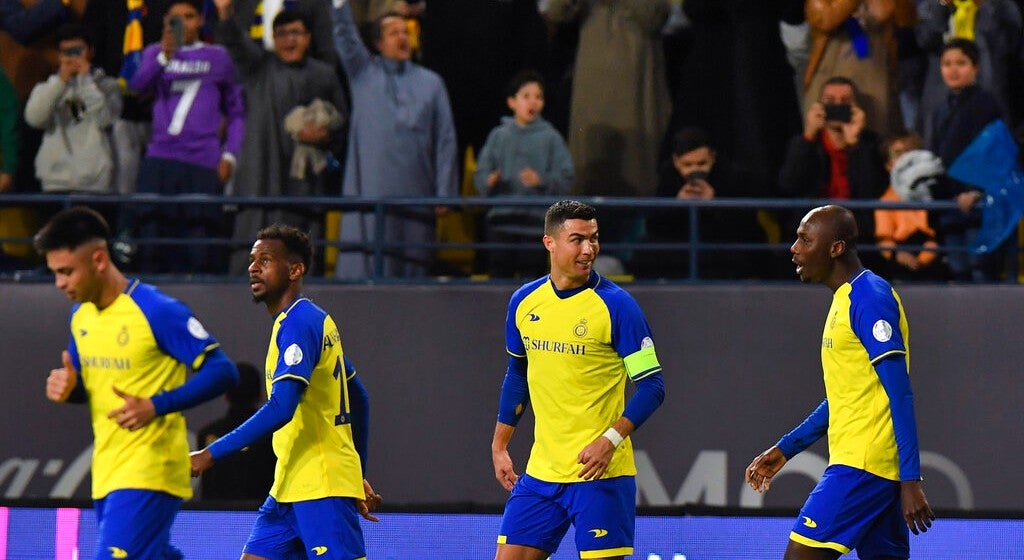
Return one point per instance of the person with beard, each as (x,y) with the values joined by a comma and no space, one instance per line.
(318,412)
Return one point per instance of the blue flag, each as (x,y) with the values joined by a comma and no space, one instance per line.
(990,162)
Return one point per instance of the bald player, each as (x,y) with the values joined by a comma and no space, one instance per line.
(870,494)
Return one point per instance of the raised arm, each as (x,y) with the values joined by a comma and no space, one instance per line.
(353,53)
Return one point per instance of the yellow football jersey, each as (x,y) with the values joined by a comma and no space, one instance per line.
(316,456)
(580,346)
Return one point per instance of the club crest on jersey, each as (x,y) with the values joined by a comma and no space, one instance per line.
(882,330)
(122,337)
(293,355)
(580,329)
(195,328)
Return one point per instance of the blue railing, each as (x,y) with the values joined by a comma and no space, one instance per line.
(379,245)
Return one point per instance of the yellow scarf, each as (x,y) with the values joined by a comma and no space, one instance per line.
(963,19)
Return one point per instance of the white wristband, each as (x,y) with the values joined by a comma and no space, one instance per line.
(613,436)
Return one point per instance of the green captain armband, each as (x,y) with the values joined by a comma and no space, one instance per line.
(642,363)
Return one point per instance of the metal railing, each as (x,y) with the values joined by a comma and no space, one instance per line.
(379,245)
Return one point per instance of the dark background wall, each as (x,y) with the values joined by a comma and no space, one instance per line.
(741,367)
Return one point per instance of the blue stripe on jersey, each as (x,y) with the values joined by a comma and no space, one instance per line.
(301,330)
(875,316)
(176,331)
(513,343)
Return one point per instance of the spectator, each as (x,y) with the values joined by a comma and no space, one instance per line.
(857,39)
(75,108)
(119,32)
(274,161)
(837,157)
(697,173)
(9,111)
(26,23)
(524,156)
(620,107)
(911,170)
(249,474)
(195,89)
(14,222)
(967,111)
(252,16)
(401,144)
(735,83)
(994,26)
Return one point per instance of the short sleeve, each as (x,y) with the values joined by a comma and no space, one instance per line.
(875,319)
(299,343)
(177,332)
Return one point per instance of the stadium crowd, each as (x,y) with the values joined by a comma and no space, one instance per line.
(876,100)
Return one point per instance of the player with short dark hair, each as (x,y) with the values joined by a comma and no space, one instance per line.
(573,338)
(318,413)
(127,357)
(871,493)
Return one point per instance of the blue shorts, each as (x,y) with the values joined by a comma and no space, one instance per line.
(324,529)
(538,514)
(136,524)
(854,509)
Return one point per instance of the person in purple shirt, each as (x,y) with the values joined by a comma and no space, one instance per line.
(196,96)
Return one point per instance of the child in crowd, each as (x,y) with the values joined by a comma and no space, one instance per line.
(523,156)
(912,170)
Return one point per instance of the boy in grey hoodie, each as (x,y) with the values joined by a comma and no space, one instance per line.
(523,156)
(75,108)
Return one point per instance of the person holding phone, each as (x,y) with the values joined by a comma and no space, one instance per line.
(699,172)
(75,109)
(196,91)
(837,157)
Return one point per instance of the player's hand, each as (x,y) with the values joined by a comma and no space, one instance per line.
(136,412)
(595,458)
(916,511)
(761,470)
(201,461)
(167,44)
(62,381)
(503,470)
(367,506)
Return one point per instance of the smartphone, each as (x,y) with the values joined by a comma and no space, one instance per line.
(74,51)
(177,30)
(694,176)
(838,112)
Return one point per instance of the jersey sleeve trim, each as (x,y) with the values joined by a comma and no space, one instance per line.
(881,357)
(511,353)
(198,362)
(299,378)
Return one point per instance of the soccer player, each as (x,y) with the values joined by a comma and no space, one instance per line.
(871,493)
(129,350)
(573,339)
(318,412)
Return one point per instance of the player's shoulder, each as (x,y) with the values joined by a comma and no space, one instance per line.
(304,312)
(614,296)
(152,299)
(526,289)
(868,287)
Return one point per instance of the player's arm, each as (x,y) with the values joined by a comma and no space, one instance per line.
(359,407)
(892,372)
(216,375)
(760,471)
(275,413)
(515,395)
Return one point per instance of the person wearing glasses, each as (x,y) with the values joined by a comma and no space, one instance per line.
(278,159)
